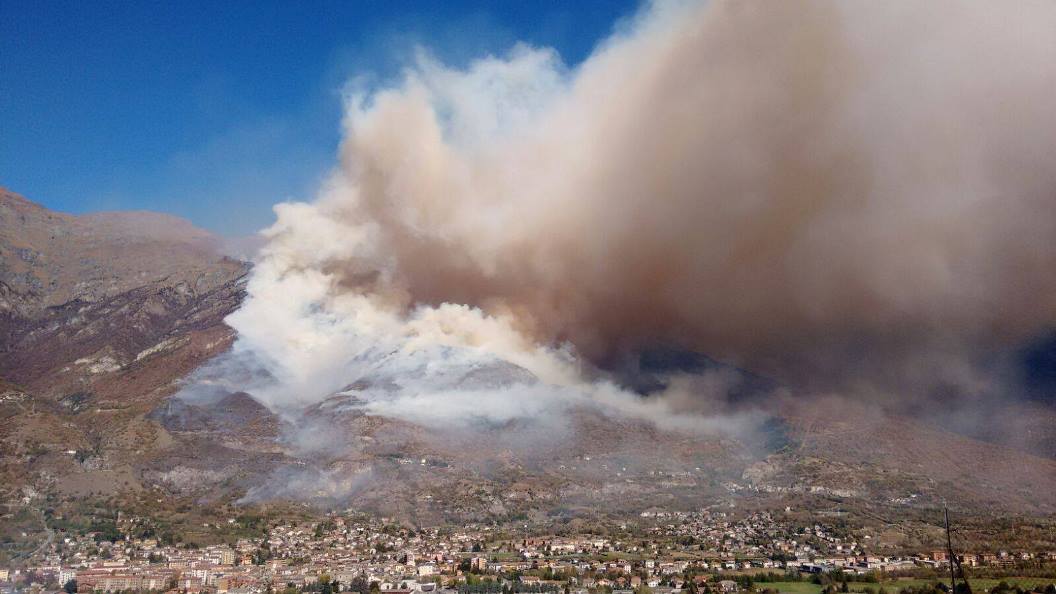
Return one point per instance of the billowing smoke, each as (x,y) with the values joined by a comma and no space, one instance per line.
(829,193)
(308,482)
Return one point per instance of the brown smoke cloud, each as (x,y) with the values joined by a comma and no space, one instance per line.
(810,189)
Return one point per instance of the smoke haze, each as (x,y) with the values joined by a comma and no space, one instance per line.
(838,195)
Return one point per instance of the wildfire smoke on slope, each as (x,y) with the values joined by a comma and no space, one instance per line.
(841,196)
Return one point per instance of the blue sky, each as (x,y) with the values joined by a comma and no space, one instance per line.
(216,110)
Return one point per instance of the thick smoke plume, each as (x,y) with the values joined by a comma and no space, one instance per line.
(825,192)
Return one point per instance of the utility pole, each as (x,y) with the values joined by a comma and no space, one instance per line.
(949,551)
(953,558)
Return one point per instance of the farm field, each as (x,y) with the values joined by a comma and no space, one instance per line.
(792,587)
(893,586)
(978,584)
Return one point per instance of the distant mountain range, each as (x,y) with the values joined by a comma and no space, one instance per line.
(102,315)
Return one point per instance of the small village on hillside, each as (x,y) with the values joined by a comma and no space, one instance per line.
(661,553)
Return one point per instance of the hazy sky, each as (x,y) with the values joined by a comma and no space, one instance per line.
(215,111)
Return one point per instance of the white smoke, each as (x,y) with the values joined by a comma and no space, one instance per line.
(813,189)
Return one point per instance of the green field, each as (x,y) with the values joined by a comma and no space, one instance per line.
(791,587)
(978,584)
(893,586)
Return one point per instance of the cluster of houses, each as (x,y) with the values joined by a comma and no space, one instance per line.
(679,552)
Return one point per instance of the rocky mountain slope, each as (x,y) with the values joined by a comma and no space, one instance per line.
(101,316)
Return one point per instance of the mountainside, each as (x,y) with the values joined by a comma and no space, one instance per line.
(48,259)
(102,315)
(99,316)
